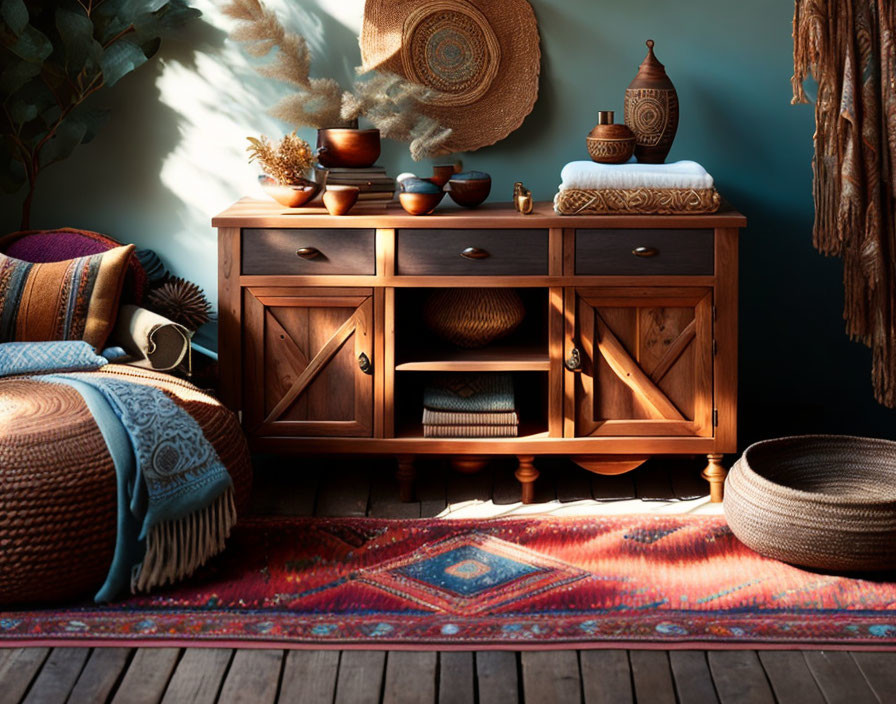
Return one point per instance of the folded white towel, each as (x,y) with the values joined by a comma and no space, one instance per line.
(591,175)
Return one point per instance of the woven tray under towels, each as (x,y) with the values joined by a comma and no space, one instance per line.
(588,188)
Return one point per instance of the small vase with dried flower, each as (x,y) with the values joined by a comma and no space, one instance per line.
(288,165)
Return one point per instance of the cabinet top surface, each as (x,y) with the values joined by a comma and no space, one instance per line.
(249,212)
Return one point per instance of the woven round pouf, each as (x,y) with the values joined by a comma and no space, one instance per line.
(821,501)
(473,317)
(58,488)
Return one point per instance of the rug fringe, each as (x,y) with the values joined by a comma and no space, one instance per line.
(175,549)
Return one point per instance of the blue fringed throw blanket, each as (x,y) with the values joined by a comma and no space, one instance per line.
(175,497)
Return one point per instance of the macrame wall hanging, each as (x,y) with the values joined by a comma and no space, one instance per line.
(848,48)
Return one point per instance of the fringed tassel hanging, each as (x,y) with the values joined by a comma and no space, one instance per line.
(176,549)
(847,46)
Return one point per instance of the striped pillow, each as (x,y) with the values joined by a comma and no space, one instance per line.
(76,299)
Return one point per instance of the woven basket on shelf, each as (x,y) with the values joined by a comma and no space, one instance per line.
(820,501)
(473,317)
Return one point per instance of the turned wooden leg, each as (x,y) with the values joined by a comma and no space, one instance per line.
(526,474)
(405,475)
(715,474)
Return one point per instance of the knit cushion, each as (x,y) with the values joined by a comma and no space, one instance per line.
(75,299)
(40,246)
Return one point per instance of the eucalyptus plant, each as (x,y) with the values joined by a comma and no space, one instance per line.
(55,57)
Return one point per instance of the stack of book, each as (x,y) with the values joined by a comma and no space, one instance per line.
(470,406)
(374,184)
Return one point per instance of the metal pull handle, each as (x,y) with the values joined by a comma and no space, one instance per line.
(474,253)
(645,251)
(365,364)
(308,252)
(574,361)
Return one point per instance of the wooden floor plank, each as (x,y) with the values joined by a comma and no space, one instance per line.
(497,677)
(693,680)
(617,487)
(551,676)
(880,672)
(462,487)
(431,487)
(739,677)
(18,668)
(384,498)
(198,676)
(789,675)
(309,677)
(652,481)
(283,486)
(506,488)
(545,485)
(58,675)
(253,678)
(687,484)
(606,677)
(147,676)
(344,493)
(410,677)
(360,679)
(839,677)
(572,482)
(100,675)
(652,676)
(457,677)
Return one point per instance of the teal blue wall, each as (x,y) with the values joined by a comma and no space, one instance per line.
(731,63)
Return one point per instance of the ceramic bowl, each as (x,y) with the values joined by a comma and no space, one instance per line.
(348,148)
(469,189)
(420,203)
(289,196)
(340,199)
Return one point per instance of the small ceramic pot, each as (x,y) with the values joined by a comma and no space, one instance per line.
(469,189)
(420,203)
(348,148)
(441,173)
(340,199)
(609,143)
(290,196)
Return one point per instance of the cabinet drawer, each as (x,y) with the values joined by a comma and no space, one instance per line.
(472,252)
(340,251)
(663,252)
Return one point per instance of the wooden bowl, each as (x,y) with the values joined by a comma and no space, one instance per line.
(442,173)
(610,151)
(340,199)
(469,193)
(289,196)
(420,203)
(348,148)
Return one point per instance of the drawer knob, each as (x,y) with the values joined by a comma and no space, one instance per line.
(308,252)
(574,361)
(474,253)
(645,251)
(364,364)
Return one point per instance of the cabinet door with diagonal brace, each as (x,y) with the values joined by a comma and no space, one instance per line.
(645,362)
(310,361)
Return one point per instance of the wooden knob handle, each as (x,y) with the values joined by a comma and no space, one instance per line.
(645,251)
(308,252)
(474,253)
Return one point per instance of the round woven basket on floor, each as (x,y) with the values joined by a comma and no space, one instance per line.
(821,501)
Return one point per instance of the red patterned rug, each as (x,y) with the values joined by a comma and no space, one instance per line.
(538,582)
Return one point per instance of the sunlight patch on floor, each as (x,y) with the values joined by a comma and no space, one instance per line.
(489,509)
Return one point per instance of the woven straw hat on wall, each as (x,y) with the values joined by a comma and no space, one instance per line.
(481,57)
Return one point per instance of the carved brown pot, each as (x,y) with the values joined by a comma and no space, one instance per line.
(609,143)
(651,110)
(348,148)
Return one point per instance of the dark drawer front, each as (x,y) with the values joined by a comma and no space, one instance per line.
(325,252)
(494,252)
(663,252)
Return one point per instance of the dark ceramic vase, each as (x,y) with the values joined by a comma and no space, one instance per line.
(651,110)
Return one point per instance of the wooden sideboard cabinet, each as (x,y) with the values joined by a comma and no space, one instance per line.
(628,347)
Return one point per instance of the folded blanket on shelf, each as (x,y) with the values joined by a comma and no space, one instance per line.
(175,497)
(487,392)
(431,417)
(589,175)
